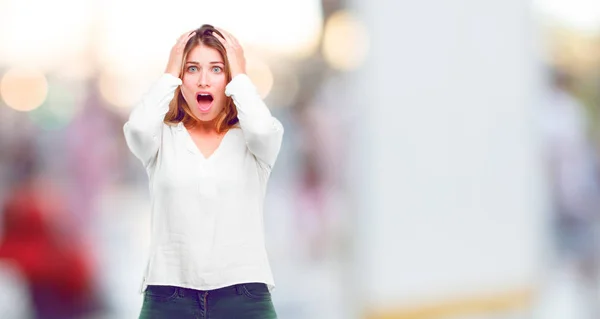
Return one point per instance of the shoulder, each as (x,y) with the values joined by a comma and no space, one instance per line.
(173,126)
(235,132)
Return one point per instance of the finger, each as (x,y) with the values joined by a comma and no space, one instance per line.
(191,35)
(188,33)
(185,37)
(225,33)
(233,41)
(228,37)
(218,36)
(221,39)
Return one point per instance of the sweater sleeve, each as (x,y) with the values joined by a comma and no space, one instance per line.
(263,132)
(143,129)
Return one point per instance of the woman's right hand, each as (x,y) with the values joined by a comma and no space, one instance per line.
(176,56)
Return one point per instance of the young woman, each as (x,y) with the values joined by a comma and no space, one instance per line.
(208,143)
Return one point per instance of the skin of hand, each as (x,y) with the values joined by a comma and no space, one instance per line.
(235,52)
(176,57)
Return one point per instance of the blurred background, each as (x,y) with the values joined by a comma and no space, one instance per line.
(440,158)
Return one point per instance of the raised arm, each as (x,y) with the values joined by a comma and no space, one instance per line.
(144,127)
(262,131)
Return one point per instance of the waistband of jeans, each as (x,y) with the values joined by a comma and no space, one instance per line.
(228,290)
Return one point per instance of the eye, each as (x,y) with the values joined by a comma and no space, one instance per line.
(217,69)
(192,68)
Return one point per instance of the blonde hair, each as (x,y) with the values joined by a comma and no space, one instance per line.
(179,110)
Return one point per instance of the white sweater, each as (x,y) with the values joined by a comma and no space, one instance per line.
(207,213)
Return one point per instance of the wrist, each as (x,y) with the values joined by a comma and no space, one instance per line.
(174,73)
(237,69)
(236,73)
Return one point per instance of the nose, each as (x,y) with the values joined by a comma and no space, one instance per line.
(203,79)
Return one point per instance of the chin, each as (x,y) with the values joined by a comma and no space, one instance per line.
(206,117)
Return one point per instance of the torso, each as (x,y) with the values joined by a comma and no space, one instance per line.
(206,212)
(206,143)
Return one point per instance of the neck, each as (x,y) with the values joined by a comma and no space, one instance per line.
(205,127)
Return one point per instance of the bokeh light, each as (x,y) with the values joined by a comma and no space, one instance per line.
(122,89)
(58,109)
(23,89)
(111,87)
(385,105)
(261,75)
(345,41)
(285,89)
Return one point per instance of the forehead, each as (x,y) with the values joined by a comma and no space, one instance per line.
(204,54)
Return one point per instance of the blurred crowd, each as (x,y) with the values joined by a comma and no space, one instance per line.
(73,209)
(572,156)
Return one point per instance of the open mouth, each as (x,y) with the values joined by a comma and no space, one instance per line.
(205,101)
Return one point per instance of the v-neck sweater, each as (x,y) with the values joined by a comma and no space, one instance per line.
(207,228)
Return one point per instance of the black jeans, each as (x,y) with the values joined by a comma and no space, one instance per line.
(242,301)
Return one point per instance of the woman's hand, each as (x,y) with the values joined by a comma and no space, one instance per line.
(235,52)
(176,56)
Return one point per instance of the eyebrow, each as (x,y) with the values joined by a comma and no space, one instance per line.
(197,63)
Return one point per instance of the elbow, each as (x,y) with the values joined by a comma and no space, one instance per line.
(133,137)
(133,134)
(140,131)
(265,128)
(266,147)
(141,144)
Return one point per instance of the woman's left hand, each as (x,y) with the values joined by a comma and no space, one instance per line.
(235,52)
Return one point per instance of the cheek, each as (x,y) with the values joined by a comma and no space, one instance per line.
(188,81)
(188,86)
(186,92)
(218,81)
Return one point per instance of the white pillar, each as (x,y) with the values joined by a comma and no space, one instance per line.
(448,172)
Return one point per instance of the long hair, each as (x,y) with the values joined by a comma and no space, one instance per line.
(179,110)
